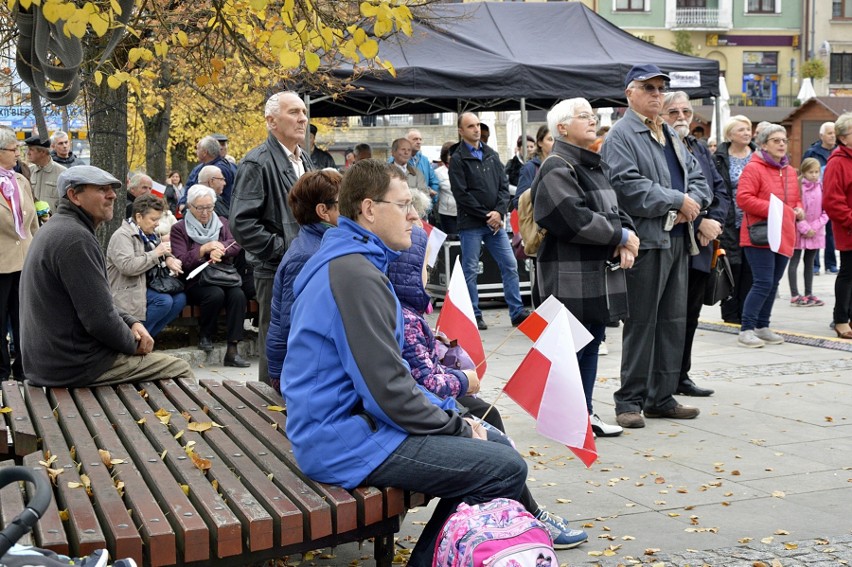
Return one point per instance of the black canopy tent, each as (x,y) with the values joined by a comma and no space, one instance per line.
(493,55)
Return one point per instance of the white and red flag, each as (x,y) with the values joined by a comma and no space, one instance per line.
(158,189)
(547,386)
(534,325)
(457,320)
(436,238)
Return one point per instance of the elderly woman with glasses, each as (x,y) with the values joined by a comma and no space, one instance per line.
(202,236)
(767,173)
(18,223)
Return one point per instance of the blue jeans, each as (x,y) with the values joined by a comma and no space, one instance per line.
(498,246)
(587,359)
(162,310)
(454,469)
(767,267)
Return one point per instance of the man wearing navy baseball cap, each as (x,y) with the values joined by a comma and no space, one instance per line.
(660,185)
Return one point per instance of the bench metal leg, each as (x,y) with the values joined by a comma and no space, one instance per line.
(383,548)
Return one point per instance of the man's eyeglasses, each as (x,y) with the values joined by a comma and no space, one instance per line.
(587,117)
(675,112)
(406,208)
(205,209)
(651,89)
(777,140)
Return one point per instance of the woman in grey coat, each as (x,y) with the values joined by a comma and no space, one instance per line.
(590,240)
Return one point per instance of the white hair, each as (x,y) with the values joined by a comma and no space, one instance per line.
(562,112)
(273,104)
(197,191)
(672,96)
(58,135)
(210,145)
(207,173)
(825,126)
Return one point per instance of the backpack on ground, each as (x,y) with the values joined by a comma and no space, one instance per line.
(499,533)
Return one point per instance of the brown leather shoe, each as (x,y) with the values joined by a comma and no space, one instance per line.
(677,412)
(630,420)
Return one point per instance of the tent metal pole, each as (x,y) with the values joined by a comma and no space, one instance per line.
(523,129)
(717,119)
(307,100)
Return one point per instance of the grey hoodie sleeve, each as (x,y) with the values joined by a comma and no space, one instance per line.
(369,315)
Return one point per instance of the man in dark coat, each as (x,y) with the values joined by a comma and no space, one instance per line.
(261,220)
(820,150)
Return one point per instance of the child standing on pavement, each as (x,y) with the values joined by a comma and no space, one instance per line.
(811,234)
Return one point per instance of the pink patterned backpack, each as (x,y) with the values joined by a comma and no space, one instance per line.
(500,533)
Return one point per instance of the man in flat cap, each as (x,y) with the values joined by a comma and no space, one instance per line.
(320,158)
(660,185)
(72,334)
(44,172)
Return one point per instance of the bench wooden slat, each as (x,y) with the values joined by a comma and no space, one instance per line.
(152,524)
(85,530)
(12,504)
(285,514)
(224,526)
(49,532)
(368,500)
(119,529)
(24,436)
(318,522)
(191,531)
(252,415)
(254,519)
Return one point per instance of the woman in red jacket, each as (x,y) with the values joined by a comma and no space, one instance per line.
(837,202)
(768,173)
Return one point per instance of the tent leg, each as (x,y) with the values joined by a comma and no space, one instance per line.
(523,130)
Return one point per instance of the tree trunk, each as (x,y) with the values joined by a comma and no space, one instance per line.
(108,142)
(157,129)
(180,162)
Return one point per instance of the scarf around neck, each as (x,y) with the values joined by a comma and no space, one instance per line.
(785,161)
(200,233)
(13,194)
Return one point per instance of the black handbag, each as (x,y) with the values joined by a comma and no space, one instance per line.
(758,233)
(720,285)
(221,275)
(161,281)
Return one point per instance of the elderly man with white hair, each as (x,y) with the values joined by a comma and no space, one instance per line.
(139,184)
(72,334)
(261,219)
(212,177)
(60,145)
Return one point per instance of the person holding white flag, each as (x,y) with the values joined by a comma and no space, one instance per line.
(590,240)
(768,194)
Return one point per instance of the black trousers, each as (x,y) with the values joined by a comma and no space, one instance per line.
(694,303)
(10,311)
(732,309)
(212,299)
(843,289)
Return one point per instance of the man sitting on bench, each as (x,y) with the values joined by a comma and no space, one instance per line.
(71,332)
(355,416)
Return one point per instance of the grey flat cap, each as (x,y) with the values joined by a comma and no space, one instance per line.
(84,175)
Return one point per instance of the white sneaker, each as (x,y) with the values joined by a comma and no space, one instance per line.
(602,429)
(603,350)
(749,339)
(768,336)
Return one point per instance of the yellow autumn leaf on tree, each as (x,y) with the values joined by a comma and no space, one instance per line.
(99,23)
(382,27)
(312,61)
(114,83)
(182,39)
(258,5)
(99,77)
(368,10)
(369,48)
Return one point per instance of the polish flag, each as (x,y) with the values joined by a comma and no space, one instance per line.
(457,320)
(779,219)
(158,190)
(436,238)
(547,386)
(534,325)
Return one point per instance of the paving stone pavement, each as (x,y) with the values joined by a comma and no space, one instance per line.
(762,477)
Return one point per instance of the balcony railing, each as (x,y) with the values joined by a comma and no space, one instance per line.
(702,18)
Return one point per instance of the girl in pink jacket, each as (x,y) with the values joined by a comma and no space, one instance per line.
(810,236)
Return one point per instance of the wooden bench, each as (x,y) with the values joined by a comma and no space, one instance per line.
(190,315)
(182,473)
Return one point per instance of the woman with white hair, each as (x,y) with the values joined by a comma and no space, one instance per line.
(201,237)
(590,240)
(731,157)
(767,173)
